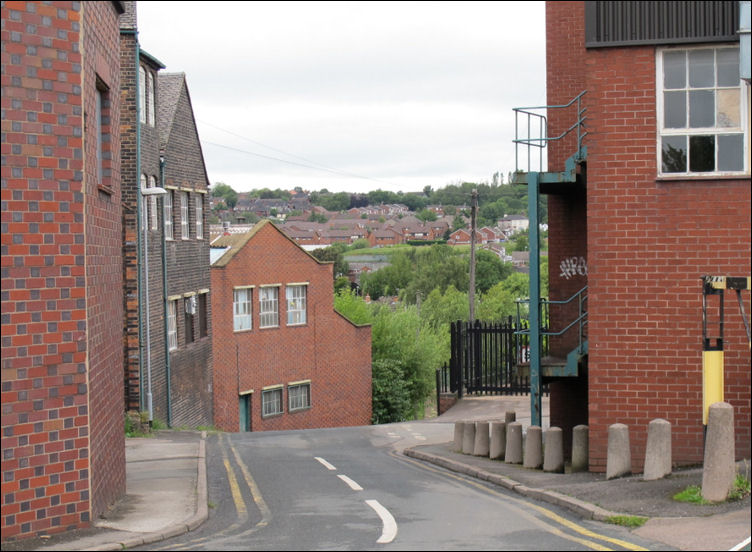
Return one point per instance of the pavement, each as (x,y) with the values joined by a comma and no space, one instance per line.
(166,491)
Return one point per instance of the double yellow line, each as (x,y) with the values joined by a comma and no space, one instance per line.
(523,505)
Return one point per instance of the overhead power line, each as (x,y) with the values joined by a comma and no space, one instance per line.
(309,164)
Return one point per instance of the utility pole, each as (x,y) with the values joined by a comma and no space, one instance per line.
(471,291)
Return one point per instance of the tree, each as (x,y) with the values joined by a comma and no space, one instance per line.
(228,195)
(489,270)
(334,253)
(426,215)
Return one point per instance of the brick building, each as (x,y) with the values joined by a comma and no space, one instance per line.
(167,339)
(661,198)
(62,405)
(283,357)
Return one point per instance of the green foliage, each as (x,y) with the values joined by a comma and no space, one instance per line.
(334,253)
(489,270)
(692,494)
(426,215)
(362,243)
(519,242)
(391,395)
(317,217)
(341,283)
(352,307)
(632,522)
(228,195)
(398,335)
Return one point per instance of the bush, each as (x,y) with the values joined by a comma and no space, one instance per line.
(391,394)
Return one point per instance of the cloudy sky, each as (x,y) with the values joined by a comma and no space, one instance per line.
(352,96)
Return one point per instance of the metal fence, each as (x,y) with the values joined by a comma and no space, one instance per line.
(484,360)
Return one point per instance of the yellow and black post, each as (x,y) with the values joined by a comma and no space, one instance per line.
(712,346)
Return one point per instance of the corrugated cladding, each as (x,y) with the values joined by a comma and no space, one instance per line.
(639,23)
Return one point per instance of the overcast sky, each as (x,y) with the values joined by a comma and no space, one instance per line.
(396,96)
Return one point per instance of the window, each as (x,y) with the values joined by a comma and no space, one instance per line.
(296,304)
(271,401)
(269,307)
(150,108)
(153,216)
(199,216)
(203,315)
(142,94)
(190,310)
(184,227)
(299,396)
(241,307)
(99,132)
(172,324)
(167,205)
(702,111)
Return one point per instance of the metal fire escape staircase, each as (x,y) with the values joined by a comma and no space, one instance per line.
(532,138)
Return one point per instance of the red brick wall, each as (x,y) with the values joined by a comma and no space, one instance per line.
(648,244)
(104,267)
(329,351)
(62,426)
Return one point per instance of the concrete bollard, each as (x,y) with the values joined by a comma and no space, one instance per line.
(458,429)
(553,451)
(513,453)
(481,439)
(619,456)
(468,438)
(498,445)
(533,457)
(580,461)
(658,450)
(718,469)
(510,416)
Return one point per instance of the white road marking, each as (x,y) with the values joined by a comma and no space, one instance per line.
(353,485)
(742,544)
(389,532)
(325,463)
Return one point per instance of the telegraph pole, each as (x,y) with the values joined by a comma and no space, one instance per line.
(471,291)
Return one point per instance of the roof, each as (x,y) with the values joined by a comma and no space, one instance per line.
(232,243)
(170,86)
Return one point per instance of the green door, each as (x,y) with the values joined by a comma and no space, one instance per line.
(244,408)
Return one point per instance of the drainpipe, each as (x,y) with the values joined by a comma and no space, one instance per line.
(164,294)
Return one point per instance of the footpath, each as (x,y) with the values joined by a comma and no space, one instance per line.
(166,491)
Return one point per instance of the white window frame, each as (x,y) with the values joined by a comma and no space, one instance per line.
(242,308)
(272,403)
(185,227)
(172,324)
(297,296)
(167,207)
(199,216)
(743,129)
(142,93)
(269,306)
(150,105)
(298,396)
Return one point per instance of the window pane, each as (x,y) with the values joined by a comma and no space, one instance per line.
(701,153)
(731,152)
(728,109)
(674,154)
(674,70)
(242,316)
(701,108)
(168,214)
(701,69)
(728,67)
(675,109)
(269,310)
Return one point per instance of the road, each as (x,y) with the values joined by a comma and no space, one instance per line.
(351,489)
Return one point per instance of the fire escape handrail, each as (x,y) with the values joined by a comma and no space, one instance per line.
(581,295)
(542,141)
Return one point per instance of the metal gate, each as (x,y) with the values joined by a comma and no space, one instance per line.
(483,359)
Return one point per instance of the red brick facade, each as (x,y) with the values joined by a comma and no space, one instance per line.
(646,243)
(327,351)
(62,410)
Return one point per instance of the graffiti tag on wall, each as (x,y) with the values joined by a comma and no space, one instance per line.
(573,266)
